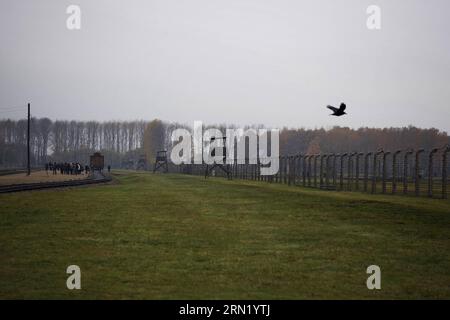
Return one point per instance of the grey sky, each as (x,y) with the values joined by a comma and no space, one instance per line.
(275,62)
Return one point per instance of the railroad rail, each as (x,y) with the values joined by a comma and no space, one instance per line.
(97,177)
(5,172)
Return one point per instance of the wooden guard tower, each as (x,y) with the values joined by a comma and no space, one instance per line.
(223,166)
(161,162)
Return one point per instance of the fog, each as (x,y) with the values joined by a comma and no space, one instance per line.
(272,62)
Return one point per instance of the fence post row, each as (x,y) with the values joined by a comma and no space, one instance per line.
(306,171)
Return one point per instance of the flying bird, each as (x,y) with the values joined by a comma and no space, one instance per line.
(338,112)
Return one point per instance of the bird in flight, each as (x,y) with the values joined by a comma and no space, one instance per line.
(338,112)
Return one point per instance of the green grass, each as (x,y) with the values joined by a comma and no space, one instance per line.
(184,237)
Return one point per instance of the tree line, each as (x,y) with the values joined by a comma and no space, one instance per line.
(125,141)
(62,140)
(343,139)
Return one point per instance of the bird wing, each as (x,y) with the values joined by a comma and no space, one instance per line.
(332,108)
(342,107)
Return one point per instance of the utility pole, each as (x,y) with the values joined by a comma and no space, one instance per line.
(28,143)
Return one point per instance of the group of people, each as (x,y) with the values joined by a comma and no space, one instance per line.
(72,168)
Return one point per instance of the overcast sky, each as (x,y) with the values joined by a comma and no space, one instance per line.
(273,62)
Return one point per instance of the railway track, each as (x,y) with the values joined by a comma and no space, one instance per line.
(96,178)
(5,172)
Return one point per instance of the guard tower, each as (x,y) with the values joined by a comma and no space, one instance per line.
(223,166)
(161,162)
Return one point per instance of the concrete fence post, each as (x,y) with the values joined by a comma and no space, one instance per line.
(280,179)
(327,170)
(394,171)
(444,171)
(417,172)
(315,170)
(309,169)
(431,172)
(288,170)
(334,169)
(384,181)
(405,170)
(341,174)
(305,158)
(297,169)
(258,170)
(253,172)
(285,179)
(321,171)
(374,171)
(247,169)
(366,171)
(280,170)
(300,169)
(294,170)
(358,157)
(350,170)
(277,175)
(289,160)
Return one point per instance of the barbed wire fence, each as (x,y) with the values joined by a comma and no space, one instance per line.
(402,172)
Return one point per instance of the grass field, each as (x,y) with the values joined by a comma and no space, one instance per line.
(184,237)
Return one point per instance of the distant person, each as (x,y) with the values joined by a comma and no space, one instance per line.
(109,168)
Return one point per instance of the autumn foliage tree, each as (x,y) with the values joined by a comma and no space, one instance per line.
(314,146)
(154,139)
